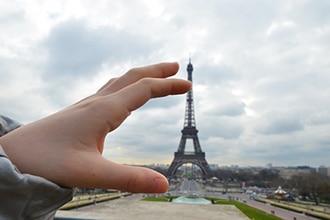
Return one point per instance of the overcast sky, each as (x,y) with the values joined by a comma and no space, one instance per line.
(260,82)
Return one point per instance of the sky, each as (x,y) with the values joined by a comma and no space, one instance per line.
(260,82)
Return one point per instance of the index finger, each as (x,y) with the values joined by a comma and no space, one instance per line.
(137,94)
(160,70)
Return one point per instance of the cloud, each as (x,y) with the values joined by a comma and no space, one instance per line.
(227,128)
(74,49)
(260,72)
(277,27)
(231,109)
(77,53)
(281,125)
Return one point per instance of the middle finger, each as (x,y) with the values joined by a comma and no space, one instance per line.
(161,70)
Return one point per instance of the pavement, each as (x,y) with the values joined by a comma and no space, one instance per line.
(122,209)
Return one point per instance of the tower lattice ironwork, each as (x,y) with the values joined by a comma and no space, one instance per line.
(189,131)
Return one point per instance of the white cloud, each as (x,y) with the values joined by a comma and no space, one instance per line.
(277,27)
(260,72)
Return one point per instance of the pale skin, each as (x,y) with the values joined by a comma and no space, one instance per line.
(66,147)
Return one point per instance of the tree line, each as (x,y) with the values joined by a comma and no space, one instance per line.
(307,186)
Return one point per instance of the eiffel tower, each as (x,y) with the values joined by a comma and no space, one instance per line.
(189,131)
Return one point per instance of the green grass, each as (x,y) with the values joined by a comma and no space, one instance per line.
(159,199)
(250,212)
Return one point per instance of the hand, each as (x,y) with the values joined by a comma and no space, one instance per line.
(66,147)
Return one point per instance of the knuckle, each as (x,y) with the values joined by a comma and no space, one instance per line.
(133,71)
(147,81)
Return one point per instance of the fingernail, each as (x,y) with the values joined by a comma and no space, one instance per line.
(159,185)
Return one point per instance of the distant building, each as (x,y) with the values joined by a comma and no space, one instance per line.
(288,172)
(214,166)
(324,171)
(269,165)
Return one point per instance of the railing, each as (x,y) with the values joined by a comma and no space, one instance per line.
(189,153)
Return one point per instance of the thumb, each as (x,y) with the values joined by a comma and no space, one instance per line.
(102,173)
(138,180)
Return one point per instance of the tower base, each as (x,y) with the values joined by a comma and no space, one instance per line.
(189,157)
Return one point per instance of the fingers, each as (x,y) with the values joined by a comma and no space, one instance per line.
(136,180)
(123,102)
(137,94)
(102,173)
(161,70)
